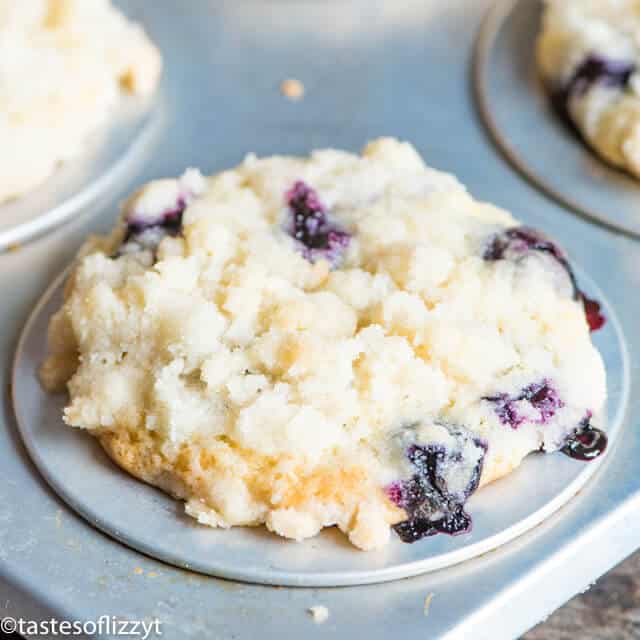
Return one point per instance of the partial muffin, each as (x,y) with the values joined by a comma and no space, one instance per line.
(64,64)
(339,340)
(588,53)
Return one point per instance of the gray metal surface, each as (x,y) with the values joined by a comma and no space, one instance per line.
(516,109)
(147,520)
(370,69)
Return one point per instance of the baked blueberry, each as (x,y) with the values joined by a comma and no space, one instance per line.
(316,235)
(170,220)
(595,69)
(517,243)
(445,474)
(156,212)
(536,403)
(599,69)
(147,231)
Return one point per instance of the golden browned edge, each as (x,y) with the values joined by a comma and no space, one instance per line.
(189,472)
(142,461)
(182,475)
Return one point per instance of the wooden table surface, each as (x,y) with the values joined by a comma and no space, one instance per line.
(610,610)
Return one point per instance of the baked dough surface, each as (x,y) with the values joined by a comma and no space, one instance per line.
(63,66)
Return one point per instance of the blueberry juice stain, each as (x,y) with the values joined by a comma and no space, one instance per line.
(586,442)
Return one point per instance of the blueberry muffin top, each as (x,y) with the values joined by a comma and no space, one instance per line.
(334,340)
(63,66)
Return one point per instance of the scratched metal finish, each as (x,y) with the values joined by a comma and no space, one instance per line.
(370,69)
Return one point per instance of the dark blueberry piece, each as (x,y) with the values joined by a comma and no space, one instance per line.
(317,236)
(586,442)
(453,524)
(595,69)
(541,396)
(169,220)
(444,478)
(505,409)
(516,243)
(146,232)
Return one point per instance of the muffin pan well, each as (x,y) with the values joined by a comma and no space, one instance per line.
(518,114)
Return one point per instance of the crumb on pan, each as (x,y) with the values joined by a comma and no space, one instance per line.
(292,89)
(319,613)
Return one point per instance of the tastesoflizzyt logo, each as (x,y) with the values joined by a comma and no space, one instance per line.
(103,626)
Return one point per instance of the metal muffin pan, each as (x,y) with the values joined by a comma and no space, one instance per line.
(369,69)
(516,109)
